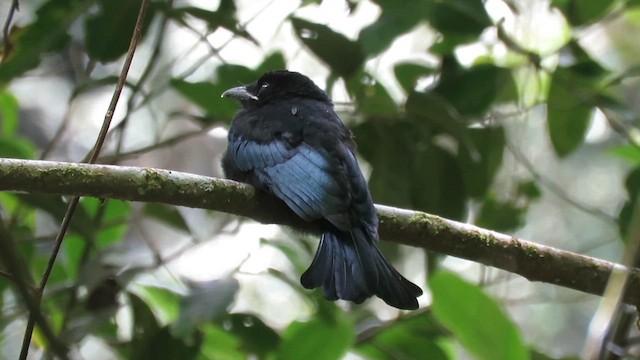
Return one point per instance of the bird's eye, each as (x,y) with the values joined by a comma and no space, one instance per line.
(263,87)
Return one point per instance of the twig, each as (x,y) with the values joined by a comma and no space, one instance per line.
(109,159)
(137,88)
(608,312)
(23,282)
(554,188)
(137,33)
(6,274)
(533,261)
(15,5)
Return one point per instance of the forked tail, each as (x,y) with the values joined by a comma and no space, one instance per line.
(349,266)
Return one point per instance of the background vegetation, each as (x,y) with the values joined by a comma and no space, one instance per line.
(517,116)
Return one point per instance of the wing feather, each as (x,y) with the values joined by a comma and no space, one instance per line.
(300,176)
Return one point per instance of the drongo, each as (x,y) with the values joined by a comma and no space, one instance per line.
(288,140)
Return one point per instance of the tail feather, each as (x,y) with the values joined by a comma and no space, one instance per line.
(394,288)
(349,266)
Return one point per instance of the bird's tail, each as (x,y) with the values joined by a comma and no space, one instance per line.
(349,266)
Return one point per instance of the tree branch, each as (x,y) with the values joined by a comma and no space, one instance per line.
(530,260)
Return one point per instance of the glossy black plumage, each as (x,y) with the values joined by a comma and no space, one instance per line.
(288,140)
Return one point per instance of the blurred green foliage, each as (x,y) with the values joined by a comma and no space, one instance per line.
(436,147)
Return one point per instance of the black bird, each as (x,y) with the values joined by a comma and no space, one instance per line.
(288,140)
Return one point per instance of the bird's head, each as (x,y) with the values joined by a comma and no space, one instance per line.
(276,86)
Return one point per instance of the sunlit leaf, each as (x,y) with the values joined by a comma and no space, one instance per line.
(220,344)
(163,302)
(8,114)
(17,148)
(630,153)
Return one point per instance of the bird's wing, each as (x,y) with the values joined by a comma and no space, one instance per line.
(301,176)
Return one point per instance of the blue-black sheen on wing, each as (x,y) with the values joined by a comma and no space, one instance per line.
(300,176)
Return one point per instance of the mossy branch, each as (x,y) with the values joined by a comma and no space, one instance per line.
(530,260)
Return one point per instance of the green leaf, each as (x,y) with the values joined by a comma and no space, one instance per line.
(73,247)
(224,16)
(115,223)
(536,355)
(472,91)
(425,177)
(480,161)
(47,33)
(408,74)
(582,63)
(584,12)
(529,189)
(163,345)
(8,114)
(206,95)
(501,215)
(409,338)
(437,113)
(17,148)
(632,184)
(55,206)
(220,344)
(206,302)
(342,55)
(477,321)
(315,340)
(569,108)
(630,153)
(458,18)
(163,302)
(371,97)
(166,214)
(274,61)
(397,18)
(109,31)
(257,337)
(145,326)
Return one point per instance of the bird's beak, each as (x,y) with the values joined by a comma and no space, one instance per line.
(239,93)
